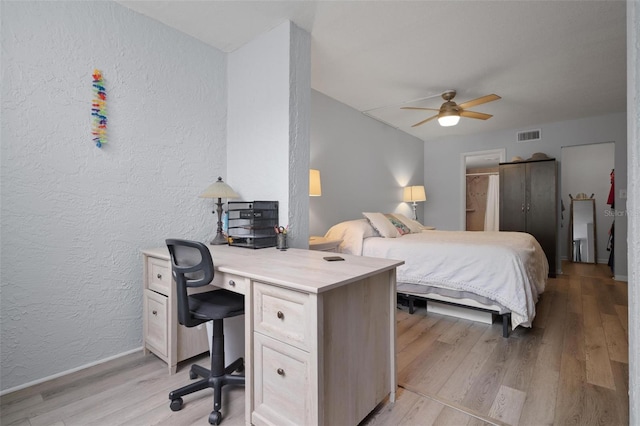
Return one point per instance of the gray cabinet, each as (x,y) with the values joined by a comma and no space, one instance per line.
(528,202)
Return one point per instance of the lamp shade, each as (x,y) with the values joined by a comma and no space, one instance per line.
(414,194)
(219,189)
(315,187)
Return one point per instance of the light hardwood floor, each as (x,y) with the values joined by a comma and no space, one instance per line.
(571,367)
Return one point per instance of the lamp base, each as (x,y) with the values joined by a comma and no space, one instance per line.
(219,239)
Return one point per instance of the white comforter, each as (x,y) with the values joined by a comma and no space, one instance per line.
(507,267)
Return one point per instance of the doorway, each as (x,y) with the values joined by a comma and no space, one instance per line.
(586,169)
(476,170)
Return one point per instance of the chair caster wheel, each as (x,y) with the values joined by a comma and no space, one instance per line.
(192,375)
(215,418)
(176,404)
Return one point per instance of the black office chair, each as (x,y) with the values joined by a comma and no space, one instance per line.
(193,267)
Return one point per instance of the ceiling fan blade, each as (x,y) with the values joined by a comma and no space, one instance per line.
(424,121)
(421,109)
(473,114)
(478,101)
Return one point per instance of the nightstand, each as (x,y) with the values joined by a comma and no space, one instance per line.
(323,244)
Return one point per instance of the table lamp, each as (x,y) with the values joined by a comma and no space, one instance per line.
(414,194)
(219,190)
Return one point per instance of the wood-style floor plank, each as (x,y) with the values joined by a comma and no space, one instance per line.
(392,414)
(424,411)
(508,405)
(467,371)
(598,364)
(435,374)
(616,337)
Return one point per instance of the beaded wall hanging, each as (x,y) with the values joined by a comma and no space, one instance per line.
(99,110)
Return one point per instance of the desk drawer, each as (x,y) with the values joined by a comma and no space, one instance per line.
(285,315)
(283,384)
(229,282)
(159,275)
(156,323)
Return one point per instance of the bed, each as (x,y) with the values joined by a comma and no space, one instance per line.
(503,273)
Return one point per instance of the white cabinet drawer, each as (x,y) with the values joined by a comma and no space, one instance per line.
(156,323)
(283,391)
(283,314)
(159,275)
(230,282)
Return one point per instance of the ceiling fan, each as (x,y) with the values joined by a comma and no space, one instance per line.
(449,113)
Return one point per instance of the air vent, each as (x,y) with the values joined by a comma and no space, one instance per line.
(529,135)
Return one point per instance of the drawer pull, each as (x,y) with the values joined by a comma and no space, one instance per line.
(280,372)
(232,283)
(154,312)
(280,315)
(159,276)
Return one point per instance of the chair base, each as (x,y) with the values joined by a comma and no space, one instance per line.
(209,381)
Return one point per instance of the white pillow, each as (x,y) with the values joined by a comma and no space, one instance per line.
(352,233)
(413,225)
(382,224)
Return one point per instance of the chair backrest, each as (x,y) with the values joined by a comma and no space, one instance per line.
(192,266)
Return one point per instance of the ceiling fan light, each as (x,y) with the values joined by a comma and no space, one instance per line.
(448,120)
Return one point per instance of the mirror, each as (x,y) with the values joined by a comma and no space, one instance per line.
(582,230)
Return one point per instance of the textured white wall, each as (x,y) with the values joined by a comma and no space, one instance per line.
(74,217)
(363,164)
(443,208)
(268,115)
(633,204)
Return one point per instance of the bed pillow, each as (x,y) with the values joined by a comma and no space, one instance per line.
(382,224)
(399,225)
(352,233)
(414,226)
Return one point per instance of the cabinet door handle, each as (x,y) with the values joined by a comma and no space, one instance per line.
(159,276)
(280,315)
(232,283)
(280,372)
(523,207)
(154,312)
(528,207)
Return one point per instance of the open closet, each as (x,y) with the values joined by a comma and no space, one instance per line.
(480,190)
(587,180)
(481,199)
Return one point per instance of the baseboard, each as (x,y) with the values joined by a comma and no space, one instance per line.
(624,278)
(64,373)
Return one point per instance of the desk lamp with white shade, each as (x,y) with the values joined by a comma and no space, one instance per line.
(219,190)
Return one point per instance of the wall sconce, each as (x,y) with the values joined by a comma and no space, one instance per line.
(219,190)
(315,187)
(414,194)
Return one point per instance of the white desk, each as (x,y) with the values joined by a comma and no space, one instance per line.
(319,336)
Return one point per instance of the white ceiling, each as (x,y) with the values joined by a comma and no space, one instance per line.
(548,60)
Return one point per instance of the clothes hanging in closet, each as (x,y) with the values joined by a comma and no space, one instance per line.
(611,201)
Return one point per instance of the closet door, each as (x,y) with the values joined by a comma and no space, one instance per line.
(512,197)
(541,207)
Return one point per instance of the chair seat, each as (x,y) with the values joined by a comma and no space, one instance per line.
(216,304)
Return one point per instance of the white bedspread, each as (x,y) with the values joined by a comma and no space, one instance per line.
(507,267)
